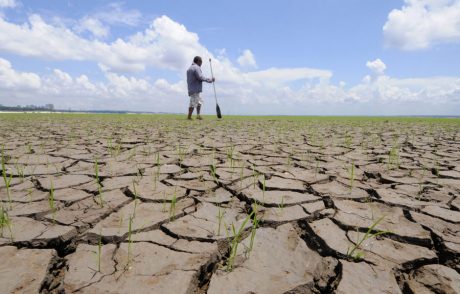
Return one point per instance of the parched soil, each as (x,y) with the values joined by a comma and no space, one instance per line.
(158,204)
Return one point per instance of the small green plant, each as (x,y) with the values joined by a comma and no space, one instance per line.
(230,157)
(263,189)
(255,176)
(316,166)
(5,221)
(172,207)
(130,241)
(281,205)
(255,225)
(351,173)
(135,197)
(213,173)
(354,251)
(99,253)
(220,215)
(98,183)
(30,150)
(6,179)
(51,202)
(29,193)
(393,157)
(19,171)
(180,153)
(158,166)
(348,140)
(235,242)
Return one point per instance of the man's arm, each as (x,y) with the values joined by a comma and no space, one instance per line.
(199,75)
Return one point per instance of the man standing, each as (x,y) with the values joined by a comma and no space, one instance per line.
(195,79)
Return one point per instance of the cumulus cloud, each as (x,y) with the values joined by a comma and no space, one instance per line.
(168,45)
(316,96)
(247,59)
(421,23)
(165,44)
(377,66)
(8,3)
(94,26)
(116,14)
(11,79)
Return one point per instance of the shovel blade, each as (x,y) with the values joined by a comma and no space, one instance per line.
(219,115)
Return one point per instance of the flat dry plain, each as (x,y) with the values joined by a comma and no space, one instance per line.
(158,204)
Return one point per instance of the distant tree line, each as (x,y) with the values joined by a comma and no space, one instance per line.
(46,107)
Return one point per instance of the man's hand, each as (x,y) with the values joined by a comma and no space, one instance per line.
(213,80)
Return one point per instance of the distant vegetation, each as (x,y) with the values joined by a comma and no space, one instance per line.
(46,107)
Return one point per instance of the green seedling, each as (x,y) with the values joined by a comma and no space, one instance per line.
(255,225)
(19,171)
(230,151)
(29,194)
(213,173)
(235,241)
(393,157)
(51,202)
(281,205)
(130,241)
(6,179)
(158,165)
(30,150)
(172,207)
(348,141)
(220,215)
(351,172)
(135,197)
(263,189)
(117,150)
(316,166)
(354,251)
(180,153)
(110,146)
(98,183)
(120,223)
(5,221)
(255,176)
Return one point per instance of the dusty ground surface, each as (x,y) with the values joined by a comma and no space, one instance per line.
(149,204)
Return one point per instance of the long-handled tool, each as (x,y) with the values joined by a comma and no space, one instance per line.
(219,115)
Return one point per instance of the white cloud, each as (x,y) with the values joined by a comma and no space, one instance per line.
(377,66)
(11,79)
(247,59)
(421,23)
(273,77)
(116,14)
(254,95)
(166,44)
(8,3)
(94,26)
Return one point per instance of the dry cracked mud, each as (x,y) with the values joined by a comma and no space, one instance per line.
(156,204)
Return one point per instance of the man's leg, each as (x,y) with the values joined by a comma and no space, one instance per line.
(198,108)
(190,111)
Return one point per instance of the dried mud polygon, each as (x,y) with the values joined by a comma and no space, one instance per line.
(131,204)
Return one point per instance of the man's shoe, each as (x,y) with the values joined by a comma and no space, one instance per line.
(189,118)
(199,117)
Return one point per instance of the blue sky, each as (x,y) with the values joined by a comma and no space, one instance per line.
(355,57)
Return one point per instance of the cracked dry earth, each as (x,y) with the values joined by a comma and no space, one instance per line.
(152,204)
